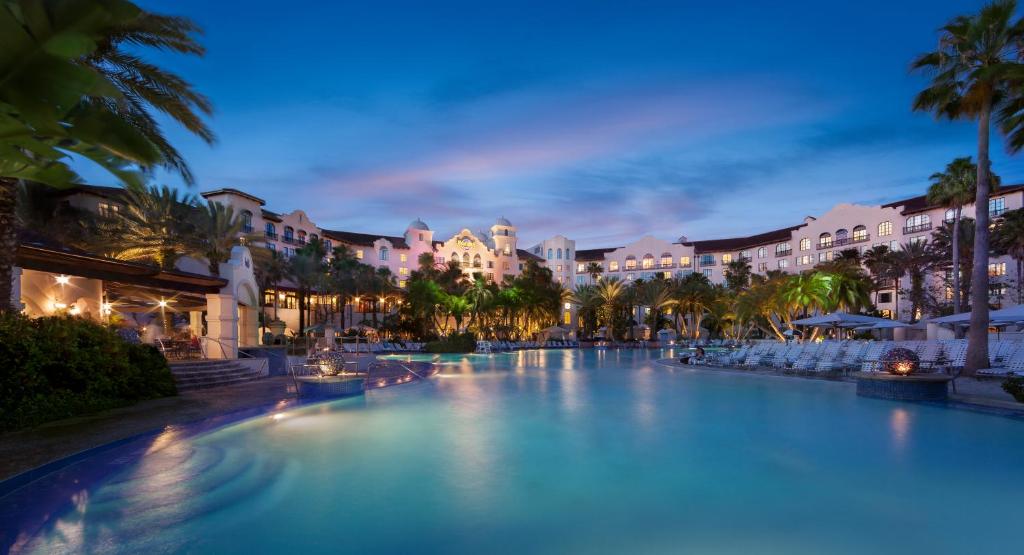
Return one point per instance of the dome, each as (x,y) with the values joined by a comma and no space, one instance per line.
(418,224)
(504,222)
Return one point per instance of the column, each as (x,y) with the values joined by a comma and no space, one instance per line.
(195,323)
(248,326)
(222,326)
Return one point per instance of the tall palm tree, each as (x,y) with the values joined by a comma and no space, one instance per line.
(155,224)
(595,270)
(941,245)
(952,189)
(1008,239)
(974,74)
(217,229)
(656,295)
(479,295)
(916,261)
(737,274)
(610,292)
(693,295)
(878,261)
(270,268)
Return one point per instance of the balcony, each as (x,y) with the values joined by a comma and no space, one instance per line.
(246,229)
(270,235)
(667,265)
(917,228)
(705,263)
(746,258)
(288,239)
(844,242)
(779,253)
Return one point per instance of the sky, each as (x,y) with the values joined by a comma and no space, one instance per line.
(600,121)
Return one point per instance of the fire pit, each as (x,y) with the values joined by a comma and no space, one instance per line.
(900,379)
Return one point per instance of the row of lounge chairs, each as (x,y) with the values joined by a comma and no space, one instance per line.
(501,345)
(1006,356)
(383,347)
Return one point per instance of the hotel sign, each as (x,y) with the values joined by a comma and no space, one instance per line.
(466,243)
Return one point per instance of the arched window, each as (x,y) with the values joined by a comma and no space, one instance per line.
(270,230)
(465,259)
(631,262)
(783,249)
(313,237)
(383,253)
(950,216)
(666,260)
(860,233)
(918,222)
(805,244)
(289,234)
(559,254)
(842,235)
(302,237)
(726,258)
(476,261)
(824,240)
(455,257)
(551,253)
(884,228)
(762,252)
(648,261)
(246,221)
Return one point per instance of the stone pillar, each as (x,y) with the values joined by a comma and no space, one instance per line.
(16,289)
(248,326)
(195,323)
(222,326)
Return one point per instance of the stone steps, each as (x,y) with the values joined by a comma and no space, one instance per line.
(193,375)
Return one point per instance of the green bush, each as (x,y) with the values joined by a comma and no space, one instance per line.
(454,343)
(1015,386)
(59,367)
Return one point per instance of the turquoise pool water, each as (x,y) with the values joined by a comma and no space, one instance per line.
(567,452)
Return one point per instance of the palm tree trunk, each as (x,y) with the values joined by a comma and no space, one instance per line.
(1020,266)
(977,335)
(8,242)
(956,261)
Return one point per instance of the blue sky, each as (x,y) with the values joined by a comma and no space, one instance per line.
(601,121)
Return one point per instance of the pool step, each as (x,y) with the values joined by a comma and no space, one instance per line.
(205,374)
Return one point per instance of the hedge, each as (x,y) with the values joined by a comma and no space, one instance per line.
(455,343)
(59,367)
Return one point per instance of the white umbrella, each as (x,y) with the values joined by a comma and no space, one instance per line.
(837,319)
(1013,313)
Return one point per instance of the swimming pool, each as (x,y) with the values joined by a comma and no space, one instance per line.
(562,451)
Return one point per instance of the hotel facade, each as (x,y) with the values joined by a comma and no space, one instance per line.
(495,254)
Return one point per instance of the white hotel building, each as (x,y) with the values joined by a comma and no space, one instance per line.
(494,253)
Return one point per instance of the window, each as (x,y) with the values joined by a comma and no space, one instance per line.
(886,314)
(313,237)
(684,261)
(997,269)
(559,254)
(613,266)
(826,256)
(403,257)
(918,222)
(403,271)
(783,263)
(762,266)
(745,255)
(507,266)
(805,244)
(328,246)
(629,277)
(805,260)
(996,206)
(919,239)
(666,260)
(107,209)
(860,233)
(580,268)
(949,216)
(885,298)
(580,280)
(551,254)
(289,234)
(270,231)
(420,236)
(842,235)
(465,260)
(726,258)
(438,260)
(706,272)
(508,250)
(359,254)
(996,289)
(557,268)
(246,221)
(477,262)
(271,246)
(884,229)
(567,256)
(630,262)
(648,261)
(707,260)
(824,240)
(383,253)
(302,237)
(762,252)
(567,317)
(783,249)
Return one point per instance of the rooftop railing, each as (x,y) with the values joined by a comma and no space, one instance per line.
(270,235)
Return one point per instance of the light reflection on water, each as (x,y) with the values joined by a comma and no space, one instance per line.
(567,451)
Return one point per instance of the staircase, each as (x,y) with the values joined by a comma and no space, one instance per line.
(203,374)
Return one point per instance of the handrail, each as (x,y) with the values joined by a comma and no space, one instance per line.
(223,346)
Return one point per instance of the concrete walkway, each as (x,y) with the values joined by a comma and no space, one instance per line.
(28,449)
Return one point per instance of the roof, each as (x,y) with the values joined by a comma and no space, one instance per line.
(97,190)
(920,203)
(230,191)
(504,222)
(588,255)
(527,255)
(363,239)
(739,243)
(272,216)
(419,224)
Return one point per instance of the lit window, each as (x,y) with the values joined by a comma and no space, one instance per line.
(860,233)
(783,249)
(884,229)
(613,266)
(107,209)
(726,258)
(558,268)
(684,261)
(666,260)
(805,244)
(401,283)
(648,261)
(403,257)
(996,206)
(630,262)
(824,240)
(403,271)
(567,317)
(762,252)
(997,269)
(580,268)
(359,254)
(783,263)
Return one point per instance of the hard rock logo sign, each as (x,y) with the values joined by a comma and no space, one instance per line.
(466,243)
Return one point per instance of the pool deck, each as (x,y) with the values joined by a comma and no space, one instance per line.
(971,394)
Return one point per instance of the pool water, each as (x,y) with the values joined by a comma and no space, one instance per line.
(566,451)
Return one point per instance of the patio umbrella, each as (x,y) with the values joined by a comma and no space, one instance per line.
(1014,313)
(836,319)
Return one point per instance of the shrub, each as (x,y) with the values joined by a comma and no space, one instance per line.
(454,343)
(59,367)
(1015,386)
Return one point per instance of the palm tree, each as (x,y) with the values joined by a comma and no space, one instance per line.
(217,230)
(974,73)
(878,261)
(589,302)
(1008,239)
(954,188)
(737,274)
(914,260)
(155,224)
(479,296)
(595,270)
(305,268)
(941,245)
(610,292)
(656,295)
(269,268)
(693,295)
(58,104)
